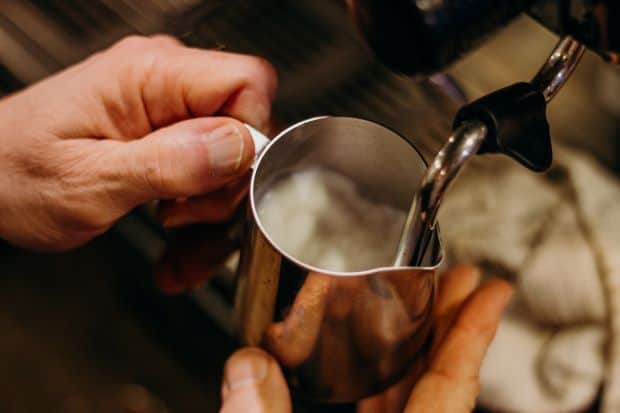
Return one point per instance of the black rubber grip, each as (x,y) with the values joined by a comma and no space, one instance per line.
(517,124)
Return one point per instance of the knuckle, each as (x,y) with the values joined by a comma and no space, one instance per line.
(135,54)
(165,40)
(133,42)
(263,69)
(250,70)
(142,49)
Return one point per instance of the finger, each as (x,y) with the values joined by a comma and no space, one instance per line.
(175,83)
(166,40)
(189,158)
(455,286)
(253,383)
(451,382)
(215,207)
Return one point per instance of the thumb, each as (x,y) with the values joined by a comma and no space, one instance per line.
(253,383)
(188,158)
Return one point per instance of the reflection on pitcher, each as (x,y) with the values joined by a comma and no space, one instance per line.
(333,327)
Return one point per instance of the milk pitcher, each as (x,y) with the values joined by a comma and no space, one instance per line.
(338,336)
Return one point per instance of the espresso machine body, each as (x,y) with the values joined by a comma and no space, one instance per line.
(420,37)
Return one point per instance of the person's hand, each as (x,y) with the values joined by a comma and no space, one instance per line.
(129,125)
(466,318)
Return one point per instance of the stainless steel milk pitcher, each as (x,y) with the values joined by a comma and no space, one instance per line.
(339,337)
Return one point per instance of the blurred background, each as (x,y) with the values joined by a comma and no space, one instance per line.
(87,331)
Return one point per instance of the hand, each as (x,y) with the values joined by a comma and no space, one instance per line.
(129,125)
(466,318)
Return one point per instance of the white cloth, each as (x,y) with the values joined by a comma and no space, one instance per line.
(557,236)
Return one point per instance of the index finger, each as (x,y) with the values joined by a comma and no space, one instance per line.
(144,83)
(451,382)
(203,82)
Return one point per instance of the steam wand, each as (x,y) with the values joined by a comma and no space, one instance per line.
(511,121)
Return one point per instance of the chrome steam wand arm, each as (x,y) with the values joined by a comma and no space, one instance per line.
(462,145)
(511,121)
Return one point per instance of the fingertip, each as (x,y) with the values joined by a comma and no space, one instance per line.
(469,268)
(246,367)
(500,289)
(500,284)
(253,382)
(462,272)
(247,355)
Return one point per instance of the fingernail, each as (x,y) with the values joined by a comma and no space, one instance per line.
(225,147)
(243,370)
